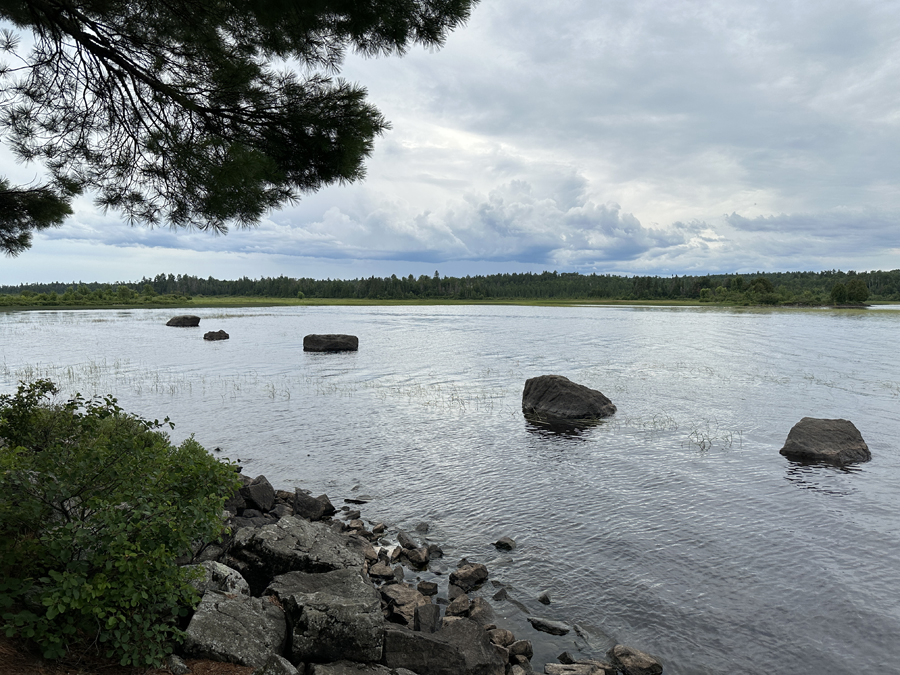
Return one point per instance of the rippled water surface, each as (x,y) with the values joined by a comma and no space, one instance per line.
(675,526)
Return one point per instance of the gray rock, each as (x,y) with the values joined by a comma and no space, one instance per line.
(480,611)
(259,494)
(215,335)
(427,618)
(291,545)
(421,652)
(406,541)
(522,648)
(402,601)
(312,508)
(548,626)
(236,629)
(544,598)
(218,577)
(333,615)
(176,665)
(184,321)
(824,440)
(469,576)
(417,557)
(330,343)
(459,606)
(278,665)
(634,662)
(349,668)
(501,636)
(427,588)
(505,544)
(381,570)
(554,397)
(460,648)
(579,668)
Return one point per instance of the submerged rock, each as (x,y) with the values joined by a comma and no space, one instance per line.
(824,440)
(548,626)
(554,397)
(216,335)
(331,342)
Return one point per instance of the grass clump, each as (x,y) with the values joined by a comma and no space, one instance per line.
(96,505)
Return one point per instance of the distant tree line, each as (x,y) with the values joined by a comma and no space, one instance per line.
(770,288)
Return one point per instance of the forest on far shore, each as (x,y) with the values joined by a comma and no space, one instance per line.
(761,288)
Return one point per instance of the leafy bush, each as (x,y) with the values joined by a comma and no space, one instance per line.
(839,294)
(95,507)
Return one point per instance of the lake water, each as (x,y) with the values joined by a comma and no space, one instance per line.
(675,526)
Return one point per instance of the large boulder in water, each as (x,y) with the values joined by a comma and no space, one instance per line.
(822,440)
(330,343)
(184,321)
(554,397)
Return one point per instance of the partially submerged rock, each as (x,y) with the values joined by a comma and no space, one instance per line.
(556,398)
(215,335)
(184,321)
(634,662)
(548,626)
(825,440)
(331,342)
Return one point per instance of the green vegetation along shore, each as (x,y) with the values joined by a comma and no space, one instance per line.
(809,289)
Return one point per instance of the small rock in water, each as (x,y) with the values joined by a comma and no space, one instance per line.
(500,595)
(548,626)
(544,599)
(505,544)
(422,527)
(566,658)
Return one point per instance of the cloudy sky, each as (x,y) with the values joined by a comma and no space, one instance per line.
(638,137)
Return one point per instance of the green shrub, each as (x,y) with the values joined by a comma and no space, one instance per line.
(839,294)
(95,507)
(857,291)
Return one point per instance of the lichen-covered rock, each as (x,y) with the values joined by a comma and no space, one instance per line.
(554,397)
(278,665)
(333,615)
(218,577)
(460,648)
(824,440)
(236,629)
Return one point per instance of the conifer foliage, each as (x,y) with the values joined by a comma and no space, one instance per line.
(199,113)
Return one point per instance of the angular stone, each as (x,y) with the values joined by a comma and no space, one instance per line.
(480,611)
(405,540)
(236,629)
(417,557)
(381,570)
(469,576)
(184,321)
(544,598)
(259,494)
(291,544)
(402,601)
(428,618)
(460,648)
(278,665)
(218,577)
(501,636)
(634,662)
(309,507)
(459,606)
(427,588)
(824,440)
(215,335)
(333,615)
(331,342)
(522,648)
(554,397)
(548,626)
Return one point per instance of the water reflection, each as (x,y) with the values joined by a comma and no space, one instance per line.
(552,428)
(821,477)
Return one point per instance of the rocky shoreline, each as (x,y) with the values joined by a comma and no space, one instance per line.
(300,587)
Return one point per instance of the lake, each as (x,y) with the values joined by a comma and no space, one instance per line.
(674,526)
